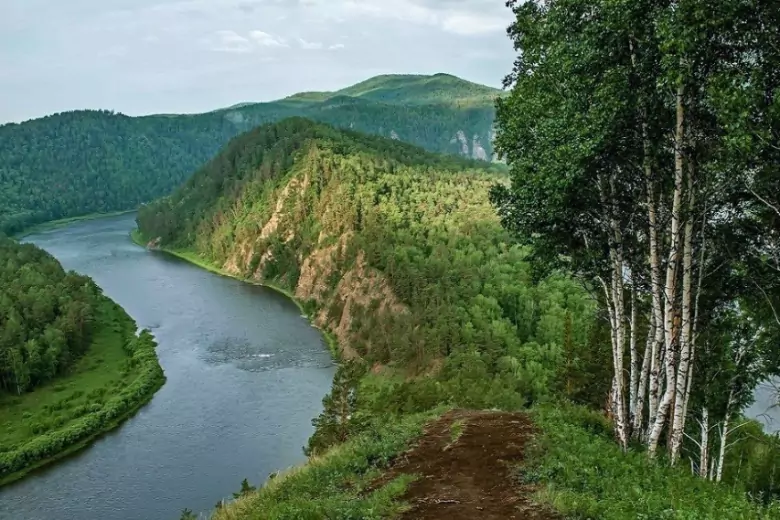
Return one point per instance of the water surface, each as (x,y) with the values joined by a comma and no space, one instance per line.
(246,374)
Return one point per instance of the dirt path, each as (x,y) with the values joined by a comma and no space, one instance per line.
(469,478)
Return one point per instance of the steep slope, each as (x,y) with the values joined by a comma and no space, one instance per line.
(82,162)
(391,248)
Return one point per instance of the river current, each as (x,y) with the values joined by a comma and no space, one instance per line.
(246,374)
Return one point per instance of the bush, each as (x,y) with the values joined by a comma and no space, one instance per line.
(587,476)
(98,418)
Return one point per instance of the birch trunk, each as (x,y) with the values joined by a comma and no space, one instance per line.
(670,302)
(704,445)
(655,279)
(686,351)
(724,432)
(621,422)
(642,386)
(634,361)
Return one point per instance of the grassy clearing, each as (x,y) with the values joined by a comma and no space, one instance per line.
(587,476)
(337,484)
(118,374)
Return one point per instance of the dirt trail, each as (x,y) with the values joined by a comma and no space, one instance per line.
(470,478)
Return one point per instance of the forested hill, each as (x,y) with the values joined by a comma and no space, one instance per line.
(400,255)
(395,250)
(83,162)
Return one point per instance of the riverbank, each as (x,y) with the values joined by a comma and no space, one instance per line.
(115,378)
(197,260)
(55,224)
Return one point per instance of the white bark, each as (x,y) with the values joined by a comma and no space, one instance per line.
(724,432)
(704,444)
(634,361)
(670,302)
(642,386)
(682,391)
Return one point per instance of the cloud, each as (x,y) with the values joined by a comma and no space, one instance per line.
(229,41)
(310,46)
(266,40)
(470,25)
(460,17)
(193,55)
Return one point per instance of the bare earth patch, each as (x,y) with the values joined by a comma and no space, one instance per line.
(465,465)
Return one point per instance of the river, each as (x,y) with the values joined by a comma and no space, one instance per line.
(246,374)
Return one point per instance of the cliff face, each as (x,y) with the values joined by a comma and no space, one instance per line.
(337,222)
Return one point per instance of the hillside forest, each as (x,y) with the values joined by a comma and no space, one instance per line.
(83,162)
(401,256)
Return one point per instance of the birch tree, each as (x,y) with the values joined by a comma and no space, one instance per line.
(628,170)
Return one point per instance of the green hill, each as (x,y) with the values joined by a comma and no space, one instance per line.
(399,255)
(83,162)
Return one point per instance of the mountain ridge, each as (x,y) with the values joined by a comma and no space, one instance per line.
(103,161)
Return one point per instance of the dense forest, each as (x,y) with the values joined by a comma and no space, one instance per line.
(46,316)
(397,249)
(83,162)
(71,362)
(400,254)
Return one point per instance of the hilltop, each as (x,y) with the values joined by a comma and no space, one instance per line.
(82,162)
(412,89)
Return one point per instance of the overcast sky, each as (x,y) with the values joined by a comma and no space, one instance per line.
(153,56)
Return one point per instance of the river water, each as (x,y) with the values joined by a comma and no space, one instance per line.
(246,374)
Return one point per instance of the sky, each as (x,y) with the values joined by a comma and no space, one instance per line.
(184,56)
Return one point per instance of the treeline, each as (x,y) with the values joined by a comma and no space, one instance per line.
(46,316)
(82,162)
(644,144)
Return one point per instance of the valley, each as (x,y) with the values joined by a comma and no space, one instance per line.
(114,162)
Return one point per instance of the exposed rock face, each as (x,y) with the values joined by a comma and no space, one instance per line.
(477,151)
(460,137)
(393,135)
(235,117)
(342,286)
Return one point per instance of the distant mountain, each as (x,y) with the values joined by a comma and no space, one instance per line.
(82,162)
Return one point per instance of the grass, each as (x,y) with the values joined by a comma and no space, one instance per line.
(338,484)
(456,430)
(54,224)
(51,410)
(585,475)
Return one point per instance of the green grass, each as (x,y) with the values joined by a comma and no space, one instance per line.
(54,224)
(339,483)
(62,416)
(585,475)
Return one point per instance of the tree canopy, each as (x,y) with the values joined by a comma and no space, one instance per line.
(82,162)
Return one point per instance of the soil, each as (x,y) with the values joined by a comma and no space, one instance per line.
(474,476)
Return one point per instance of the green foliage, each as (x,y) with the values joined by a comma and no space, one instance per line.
(46,316)
(337,484)
(587,476)
(116,373)
(337,420)
(449,285)
(245,489)
(82,162)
